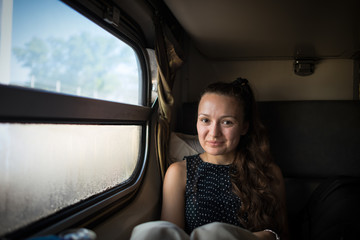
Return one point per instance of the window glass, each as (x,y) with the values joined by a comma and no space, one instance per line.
(46,167)
(154,74)
(52,47)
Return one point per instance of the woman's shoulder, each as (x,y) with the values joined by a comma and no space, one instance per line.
(177,166)
(176,171)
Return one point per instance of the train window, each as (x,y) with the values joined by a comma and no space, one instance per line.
(73,116)
(59,50)
(40,175)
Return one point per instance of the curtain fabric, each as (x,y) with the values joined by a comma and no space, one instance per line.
(169,59)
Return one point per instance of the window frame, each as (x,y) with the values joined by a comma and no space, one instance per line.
(17,103)
(26,105)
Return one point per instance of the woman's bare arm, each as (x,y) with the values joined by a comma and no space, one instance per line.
(173,205)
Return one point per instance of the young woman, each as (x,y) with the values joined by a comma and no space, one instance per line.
(234,183)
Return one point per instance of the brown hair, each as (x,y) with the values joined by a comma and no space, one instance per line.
(252,177)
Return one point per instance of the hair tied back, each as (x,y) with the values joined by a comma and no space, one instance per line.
(241,82)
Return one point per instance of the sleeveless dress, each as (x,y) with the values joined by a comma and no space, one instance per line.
(208,195)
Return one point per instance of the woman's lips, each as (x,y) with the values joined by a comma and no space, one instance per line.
(214,143)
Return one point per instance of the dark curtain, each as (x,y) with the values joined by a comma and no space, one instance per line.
(169,58)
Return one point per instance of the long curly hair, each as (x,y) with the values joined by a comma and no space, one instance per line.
(251,179)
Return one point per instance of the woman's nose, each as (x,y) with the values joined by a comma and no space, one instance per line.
(214,130)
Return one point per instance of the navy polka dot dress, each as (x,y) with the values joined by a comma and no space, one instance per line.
(209,197)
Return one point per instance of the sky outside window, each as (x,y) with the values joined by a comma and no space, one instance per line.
(55,48)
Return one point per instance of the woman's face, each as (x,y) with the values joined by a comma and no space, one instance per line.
(220,124)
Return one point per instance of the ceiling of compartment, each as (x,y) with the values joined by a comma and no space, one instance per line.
(263,29)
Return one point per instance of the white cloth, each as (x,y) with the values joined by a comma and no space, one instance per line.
(168,231)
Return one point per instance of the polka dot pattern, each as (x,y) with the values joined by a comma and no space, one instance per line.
(209,197)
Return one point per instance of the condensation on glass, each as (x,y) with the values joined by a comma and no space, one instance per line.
(46,167)
(47,45)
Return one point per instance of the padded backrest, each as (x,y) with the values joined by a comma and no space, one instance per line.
(316,139)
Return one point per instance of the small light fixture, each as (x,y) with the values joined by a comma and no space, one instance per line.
(304,67)
(305,60)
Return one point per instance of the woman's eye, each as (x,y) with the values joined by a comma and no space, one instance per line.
(227,122)
(204,120)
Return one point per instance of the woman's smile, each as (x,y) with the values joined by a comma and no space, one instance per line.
(214,143)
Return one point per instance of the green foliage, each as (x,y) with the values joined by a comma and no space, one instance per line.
(80,63)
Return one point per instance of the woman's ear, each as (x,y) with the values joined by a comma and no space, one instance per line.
(245,128)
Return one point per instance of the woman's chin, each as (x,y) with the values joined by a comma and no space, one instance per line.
(214,151)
